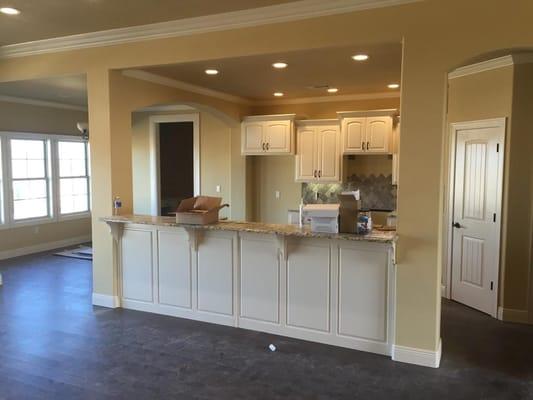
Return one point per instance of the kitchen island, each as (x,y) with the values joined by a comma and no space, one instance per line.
(282,279)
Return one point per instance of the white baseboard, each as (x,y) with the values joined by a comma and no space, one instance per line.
(410,355)
(513,315)
(37,248)
(105,300)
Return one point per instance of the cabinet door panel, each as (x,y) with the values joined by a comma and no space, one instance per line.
(174,254)
(259,279)
(353,130)
(329,157)
(277,136)
(215,273)
(307,154)
(378,134)
(362,309)
(252,137)
(137,265)
(308,280)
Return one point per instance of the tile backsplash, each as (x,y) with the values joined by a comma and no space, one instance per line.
(377,191)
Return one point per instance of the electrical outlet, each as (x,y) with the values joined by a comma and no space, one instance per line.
(217,188)
(278,194)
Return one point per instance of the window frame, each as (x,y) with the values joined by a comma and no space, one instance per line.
(57,179)
(52,176)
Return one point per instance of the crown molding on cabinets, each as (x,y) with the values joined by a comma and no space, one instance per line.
(495,63)
(391,112)
(41,103)
(292,11)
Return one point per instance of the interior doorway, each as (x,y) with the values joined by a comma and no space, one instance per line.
(174,160)
(475,219)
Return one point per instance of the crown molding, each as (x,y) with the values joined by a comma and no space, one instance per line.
(41,103)
(161,80)
(495,63)
(329,99)
(287,12)
(164,108)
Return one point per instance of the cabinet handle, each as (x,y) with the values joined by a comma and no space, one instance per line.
(367,145)
(363,146)
(263,145)
(314,173)
(320,173)
(268,146)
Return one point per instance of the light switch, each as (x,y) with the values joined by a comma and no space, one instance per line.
(278,194)
(217,188)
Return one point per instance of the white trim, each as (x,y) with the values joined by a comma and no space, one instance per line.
(38,248)
(173,83)
(105,300)
(450,199)
(164,108)
(155,190)
(273,117)
(495,63)
(293,11)
(162,80)
(411,355)
(329,99)
(371,113)
(41,103)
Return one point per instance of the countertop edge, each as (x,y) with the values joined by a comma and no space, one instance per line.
(385,237)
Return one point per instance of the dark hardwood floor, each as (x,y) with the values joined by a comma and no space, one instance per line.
(55,345)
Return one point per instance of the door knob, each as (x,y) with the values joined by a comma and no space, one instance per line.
(457,225)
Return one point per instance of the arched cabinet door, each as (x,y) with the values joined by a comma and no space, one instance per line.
(378,134)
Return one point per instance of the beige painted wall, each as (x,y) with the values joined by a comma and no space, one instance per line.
(277,173)
(432,47)
(506,92)
(16,117)
(215,158)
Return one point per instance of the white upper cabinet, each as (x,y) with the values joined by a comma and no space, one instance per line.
(318,156)
(268,135)
(367,132)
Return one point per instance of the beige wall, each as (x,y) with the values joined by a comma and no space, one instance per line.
(432,47)
(15,117)
(215,158)
(505,93)
(277,173)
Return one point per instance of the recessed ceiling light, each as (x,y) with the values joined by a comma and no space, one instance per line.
(9,11)
(211,71)
(333,90)
(360,57)
(393,86)
(279,65)
(278,94)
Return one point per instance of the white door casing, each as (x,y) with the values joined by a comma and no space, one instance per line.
(476,228)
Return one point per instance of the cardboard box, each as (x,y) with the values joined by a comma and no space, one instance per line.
(349,213)
(200,210)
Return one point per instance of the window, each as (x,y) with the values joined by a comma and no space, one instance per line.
(73,177)
(43,178)
(29,179)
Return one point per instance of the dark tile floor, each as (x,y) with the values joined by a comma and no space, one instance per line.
(55,345)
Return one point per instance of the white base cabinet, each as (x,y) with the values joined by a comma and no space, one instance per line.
(337,292)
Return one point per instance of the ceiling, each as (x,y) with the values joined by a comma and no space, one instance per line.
(71,90)
(254,78)
(54,18)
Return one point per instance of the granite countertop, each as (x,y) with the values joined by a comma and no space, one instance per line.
(255,227)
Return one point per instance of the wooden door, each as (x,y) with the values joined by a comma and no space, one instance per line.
(277,136)
(252,137)
(354,136)
(476,216)
(328,154)
(378,134)
(306,157)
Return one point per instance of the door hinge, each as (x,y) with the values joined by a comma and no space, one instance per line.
(491,285)
(494,217)
(497,148)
